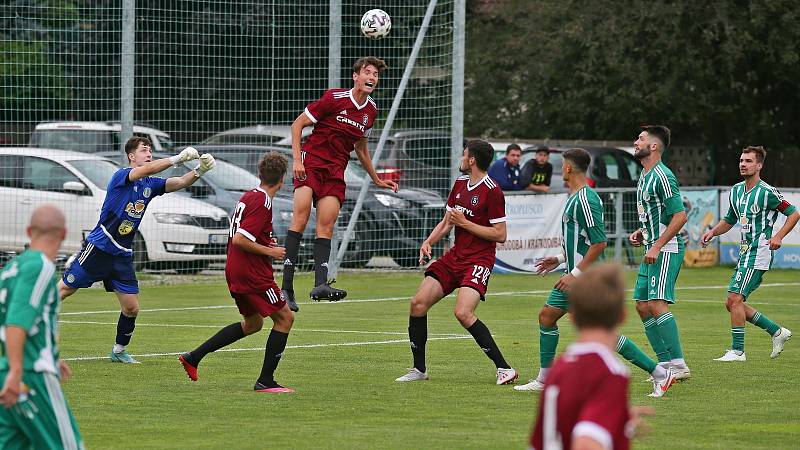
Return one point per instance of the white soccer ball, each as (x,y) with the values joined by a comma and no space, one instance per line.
(375,24)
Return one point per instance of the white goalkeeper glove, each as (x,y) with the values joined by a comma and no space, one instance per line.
(187,154)
(206,163)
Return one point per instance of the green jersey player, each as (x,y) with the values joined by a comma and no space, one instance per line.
(584,239)
(754,205)
(661,216)
(35,414)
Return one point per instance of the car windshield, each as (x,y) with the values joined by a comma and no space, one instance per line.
(98,171)
(166,143)
(232,178)
(86,141)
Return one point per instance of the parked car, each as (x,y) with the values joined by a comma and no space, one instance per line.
(257,135)
(176,233)
(224,186)
(416,158)
(93,137)
(391,224)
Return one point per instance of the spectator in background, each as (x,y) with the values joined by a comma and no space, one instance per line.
(506,171)
(537,172)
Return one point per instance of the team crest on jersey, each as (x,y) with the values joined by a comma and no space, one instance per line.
(135,210)
(474,200)
(70,278)
(646,196)
(125,227)
(366,119)
(755,209)
(147,192)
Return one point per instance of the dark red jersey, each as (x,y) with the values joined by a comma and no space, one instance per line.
(585,394)
(338,123)
(482,204)
(247,272)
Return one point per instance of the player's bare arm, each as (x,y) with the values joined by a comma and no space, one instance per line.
(160,165)
(15,343)
(592,253)
(177,183)
(362,152)
(441,230)
(776,240)
(677,222)
(253,247)
(721,228)
(302,121)
(495,233)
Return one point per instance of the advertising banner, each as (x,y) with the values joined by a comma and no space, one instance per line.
(702,211)
(534,231)
(788,256)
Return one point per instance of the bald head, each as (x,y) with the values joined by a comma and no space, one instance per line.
(47,220)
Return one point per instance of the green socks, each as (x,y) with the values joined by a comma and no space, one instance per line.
(668,329)
(737,333)
(654,337)
(634,354)
(548,341)
(763,322)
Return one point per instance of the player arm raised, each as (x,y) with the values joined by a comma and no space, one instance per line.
(245,244)
(177,183)
(362,152)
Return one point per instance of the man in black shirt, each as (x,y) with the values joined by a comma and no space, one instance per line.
(537,172)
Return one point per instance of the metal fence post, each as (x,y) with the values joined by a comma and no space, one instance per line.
(127,68)
(619,226)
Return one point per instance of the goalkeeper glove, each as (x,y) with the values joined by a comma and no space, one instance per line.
(187,154)
(206,163)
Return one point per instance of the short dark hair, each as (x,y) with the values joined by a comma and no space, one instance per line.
(542,149)
(578,158)
(760,152)
(597,297)
(482,151)
(512,147)
(272,168)
(659,131)
(133,144)
(369,61)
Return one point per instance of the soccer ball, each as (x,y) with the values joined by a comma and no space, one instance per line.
(375,24)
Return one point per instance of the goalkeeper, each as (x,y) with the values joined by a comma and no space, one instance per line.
(107,253)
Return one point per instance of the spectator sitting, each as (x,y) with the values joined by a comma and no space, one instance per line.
(506,171)
(537,172)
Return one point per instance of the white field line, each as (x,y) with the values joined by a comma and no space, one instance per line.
(307,330)
(261,349)
(389,299)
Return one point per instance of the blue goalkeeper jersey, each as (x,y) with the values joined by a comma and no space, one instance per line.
(123,210)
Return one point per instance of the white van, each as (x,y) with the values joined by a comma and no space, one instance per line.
(176,233)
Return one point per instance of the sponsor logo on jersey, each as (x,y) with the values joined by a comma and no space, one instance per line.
(466,211)
(147,192)
(474,200)
(125,227)
(135,210)
(350,122)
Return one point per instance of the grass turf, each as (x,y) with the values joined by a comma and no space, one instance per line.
(343,358)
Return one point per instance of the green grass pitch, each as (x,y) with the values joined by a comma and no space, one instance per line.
(343,357)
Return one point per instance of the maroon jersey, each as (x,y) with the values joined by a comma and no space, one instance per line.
(482,204)
(247,272)
(338,123)
(585,394)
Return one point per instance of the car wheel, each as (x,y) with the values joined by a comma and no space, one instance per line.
(140,261)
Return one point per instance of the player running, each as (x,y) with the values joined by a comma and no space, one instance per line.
(585,402)
(661,216)
(107,253)
(34,412)
(248,270)
(476,207)
(342,120)
(584,239)
(754,205)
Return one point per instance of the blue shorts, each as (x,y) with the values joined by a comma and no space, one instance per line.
(92,264)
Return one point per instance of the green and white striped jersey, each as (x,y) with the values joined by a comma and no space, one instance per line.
(756,211)
(658,198)
(582,225)
(29,300)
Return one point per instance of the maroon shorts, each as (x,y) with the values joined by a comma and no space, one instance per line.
(453,273)
(323,177)
(262,303)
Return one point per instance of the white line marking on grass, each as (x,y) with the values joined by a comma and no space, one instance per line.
(389,299)
(261,349)
(309,330)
